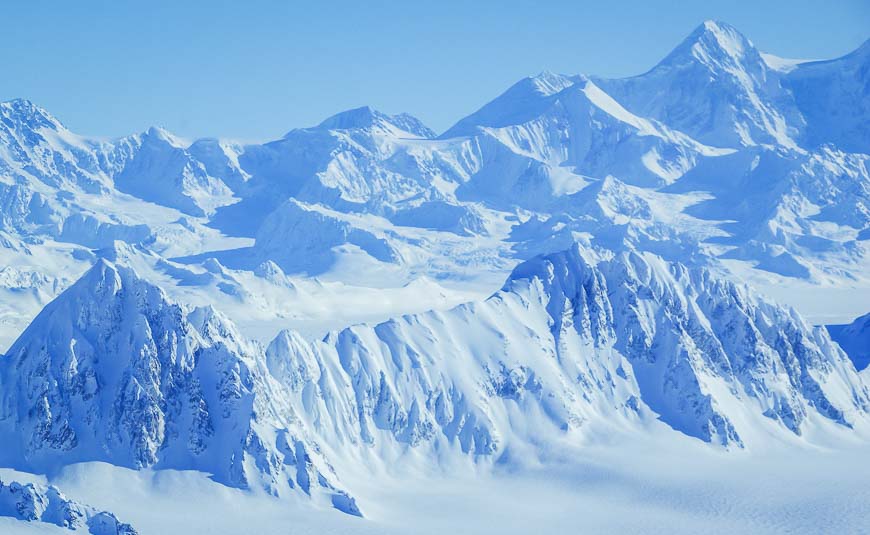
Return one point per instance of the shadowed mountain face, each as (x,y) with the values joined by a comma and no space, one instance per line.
(854,338)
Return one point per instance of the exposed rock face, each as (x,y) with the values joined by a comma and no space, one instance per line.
(38,503)
(113,371)
(570,340)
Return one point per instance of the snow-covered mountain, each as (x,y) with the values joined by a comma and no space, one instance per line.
(572,344)
(570,347)
(716,87)
(625,216)
(165,172)
(39,503)
(715,120)
(112,371)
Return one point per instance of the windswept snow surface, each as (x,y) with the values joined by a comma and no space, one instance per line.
(639,485)
(593,304)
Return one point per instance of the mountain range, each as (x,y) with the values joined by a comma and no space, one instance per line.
(567,263)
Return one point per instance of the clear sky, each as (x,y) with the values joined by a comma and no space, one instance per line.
(253,70)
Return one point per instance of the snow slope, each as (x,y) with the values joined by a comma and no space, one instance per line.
(833,97)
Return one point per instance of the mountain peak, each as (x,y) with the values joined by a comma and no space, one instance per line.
(526,98)
(26,111)
(158,133)
(548,83)
(713,26)
(362,117)
(368,117)
(716,87)
(21,104)
(100,284)
(722,32)
(711,43)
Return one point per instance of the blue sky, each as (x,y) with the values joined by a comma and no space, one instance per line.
(253,70)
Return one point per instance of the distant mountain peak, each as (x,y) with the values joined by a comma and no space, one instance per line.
(20,103)
(525,98)
(711,43)
(409,123)
(28,113)
(158,133)
(549,83)
(712,25)
(716,87)
(368,117)
(362,117)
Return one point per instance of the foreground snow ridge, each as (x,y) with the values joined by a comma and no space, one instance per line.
(113,371)
(39,503)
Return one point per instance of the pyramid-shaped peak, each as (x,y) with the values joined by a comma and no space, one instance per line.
(715,26)
(719,33)
(714,43)
(89,304)
(102,279)
(723,35)
(106,280)
(549,83)
(520,102)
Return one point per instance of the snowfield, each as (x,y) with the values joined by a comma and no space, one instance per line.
(657,486)
(595,305)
